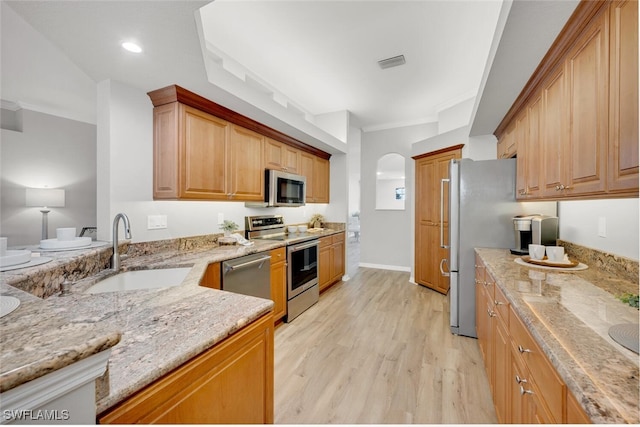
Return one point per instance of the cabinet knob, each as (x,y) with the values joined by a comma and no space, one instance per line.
(496,302)
(520,380)
(523,350)
(491,313)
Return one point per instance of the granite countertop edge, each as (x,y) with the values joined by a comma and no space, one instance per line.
(86,334)
(594,401)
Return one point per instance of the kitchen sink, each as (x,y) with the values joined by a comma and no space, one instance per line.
(141,279)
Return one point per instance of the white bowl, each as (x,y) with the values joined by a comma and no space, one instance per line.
(302,228)
(292,229)
(67,233)
(536,251)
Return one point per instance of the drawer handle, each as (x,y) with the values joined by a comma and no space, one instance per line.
(523,391)
(491,313)
(496,302)
(523,350)
(521,380)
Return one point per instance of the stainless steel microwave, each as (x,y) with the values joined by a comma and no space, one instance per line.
(285,189)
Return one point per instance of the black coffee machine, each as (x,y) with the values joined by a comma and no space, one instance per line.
(537,229)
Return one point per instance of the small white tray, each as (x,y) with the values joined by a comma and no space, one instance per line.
(8,304)
(78,242)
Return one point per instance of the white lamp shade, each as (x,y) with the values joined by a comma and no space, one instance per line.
(45,197)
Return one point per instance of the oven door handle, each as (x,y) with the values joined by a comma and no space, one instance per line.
(303,246)
(247,264)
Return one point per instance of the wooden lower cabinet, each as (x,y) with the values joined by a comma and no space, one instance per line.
(279,283)
(526,388)
(211,278)
(231,383)
(331,260)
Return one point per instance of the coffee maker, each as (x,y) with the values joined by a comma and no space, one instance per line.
(537,229)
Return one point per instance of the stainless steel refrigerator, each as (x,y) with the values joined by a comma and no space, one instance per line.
(482,204)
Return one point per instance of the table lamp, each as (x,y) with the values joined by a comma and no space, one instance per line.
(45,198)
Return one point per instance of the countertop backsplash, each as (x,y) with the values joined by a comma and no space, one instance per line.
(624,268)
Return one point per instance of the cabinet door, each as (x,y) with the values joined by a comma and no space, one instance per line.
(337,248)
(245,164)
(501,359)
(166,151)
(281,156)
(575,413)
(306,169)
(321,180)
(231,383)
(528,133)
(587,77)
(211,277)
(279,283)
(554,133)
(324,266)
(202,153)
(623,97)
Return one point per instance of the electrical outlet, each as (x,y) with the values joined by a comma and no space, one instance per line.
(156,222)
(602,226)
(220,218)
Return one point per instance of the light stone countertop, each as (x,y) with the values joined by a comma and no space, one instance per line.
(569,315)
(151,332)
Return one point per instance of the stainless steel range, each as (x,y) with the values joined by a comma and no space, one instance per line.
(302,260)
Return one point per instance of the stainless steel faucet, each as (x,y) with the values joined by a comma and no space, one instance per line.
(115,258)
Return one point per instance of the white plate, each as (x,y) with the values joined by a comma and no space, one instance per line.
(14,258)
(78,242)
(94,244)
(8,304)
(34,261)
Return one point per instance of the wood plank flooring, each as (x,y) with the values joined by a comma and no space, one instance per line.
(377,349)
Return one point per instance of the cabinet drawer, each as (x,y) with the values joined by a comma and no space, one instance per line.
(501,305)
(278,255)
(337,238)
(543,374)
(325,241)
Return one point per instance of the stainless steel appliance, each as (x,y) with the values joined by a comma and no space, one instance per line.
(283,189)
(248,275)
(536,229)
(302,260)
(482,205)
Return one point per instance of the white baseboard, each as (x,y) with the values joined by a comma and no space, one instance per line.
(385,267)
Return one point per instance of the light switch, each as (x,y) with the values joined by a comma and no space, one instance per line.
(156,222)
(220,218)
(602,226)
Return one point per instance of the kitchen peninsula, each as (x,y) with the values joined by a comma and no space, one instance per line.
(151,332)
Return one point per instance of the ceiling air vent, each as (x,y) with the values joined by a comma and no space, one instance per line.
(391,62)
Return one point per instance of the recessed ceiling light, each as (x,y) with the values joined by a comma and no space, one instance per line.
(132,47)
(392,62)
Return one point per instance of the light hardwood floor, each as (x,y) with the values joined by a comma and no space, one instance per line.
(377,349)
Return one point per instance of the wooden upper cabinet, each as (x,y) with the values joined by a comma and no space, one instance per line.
(587,117)
(321,177)
(245,164)
(203,154)
(281,156)
(554,117)
(202,150)
(623,97)
(587,79)
(507,146)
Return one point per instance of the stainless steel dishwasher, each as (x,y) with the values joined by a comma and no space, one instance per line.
(248,275)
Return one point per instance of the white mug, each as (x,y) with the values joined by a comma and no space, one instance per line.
(555,253)
(536,251)
(67,233)
(3,246)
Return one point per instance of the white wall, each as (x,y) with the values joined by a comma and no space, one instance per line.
(386,238)
(54,152)
(386,194)
(455,116)
(126,141)
(580,219)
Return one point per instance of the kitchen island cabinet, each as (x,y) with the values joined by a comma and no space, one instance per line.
(561,365)
(229,384)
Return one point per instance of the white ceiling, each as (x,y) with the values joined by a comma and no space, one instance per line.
(319,55)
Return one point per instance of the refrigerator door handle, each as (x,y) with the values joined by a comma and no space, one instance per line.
(442,245)
(444,273)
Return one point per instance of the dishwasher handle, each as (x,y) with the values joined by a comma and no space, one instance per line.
(229,267)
